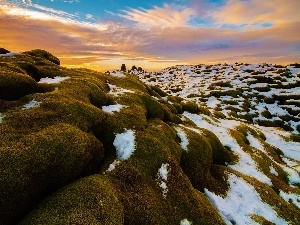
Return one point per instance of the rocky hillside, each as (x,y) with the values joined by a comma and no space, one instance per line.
(83,147)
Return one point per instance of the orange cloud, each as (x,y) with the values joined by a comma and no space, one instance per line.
(256,12)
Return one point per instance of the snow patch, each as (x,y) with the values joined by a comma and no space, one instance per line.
(125,144)
(273,171)
(117,91)
(289,149)
(254,142)
(290,162)
(212,102)
(293,175)
(183,137)
(10,54)
(113,108)
(241,202)
(163,177)
(113,165)
(32,104)
(185,222)
(291,198)
(117,74)
(54,80)
(1,117)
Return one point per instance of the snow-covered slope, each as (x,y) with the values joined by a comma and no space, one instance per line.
(262,101)
(262,94)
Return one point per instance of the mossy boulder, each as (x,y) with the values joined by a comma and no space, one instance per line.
(178,107)
(204,110)
(145,203)
(154,108)
(30,69)
(43,54)
(42,162)
(14,85)
(189,106)
(90,200)
(203,160)
(159,91)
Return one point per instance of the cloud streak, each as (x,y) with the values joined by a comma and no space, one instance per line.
(166,16)
(257,12)
(161,36)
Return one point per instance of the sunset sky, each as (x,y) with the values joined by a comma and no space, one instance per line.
(153,34)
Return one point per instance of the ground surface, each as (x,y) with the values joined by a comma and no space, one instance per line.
(83,147)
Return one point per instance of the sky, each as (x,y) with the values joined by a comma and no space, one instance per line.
(153,34)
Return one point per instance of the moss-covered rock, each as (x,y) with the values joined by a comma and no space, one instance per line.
(204,111)
(178,107)
(91,200)
(145,203)
(159,91)
(43,54)
(154,108)
(197,161)
(14,85)
(41,162)
(189,106)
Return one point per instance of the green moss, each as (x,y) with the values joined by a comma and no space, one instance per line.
(41,162)
(159,91)
(247,117)
(203,110)
(175,99)
(152,92)
(240,133)
(261,220)
(266,114)
(189,106)
(295,137)
(116,123)
(91,200)
(169,116)
(192,204)
(154,108)
(15,85)
(223,84)
(298,128)
(197,163)
(232,93)
(30,69)
(11,67)
(219,115)
(269,100)
(146,204)
(130,82)
(178,107)
(152,150)
(54,109)
(44,55)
